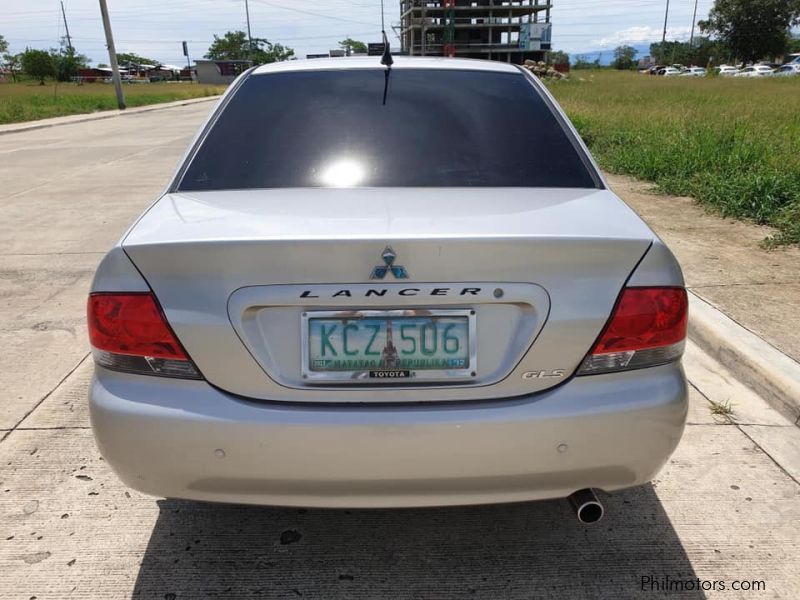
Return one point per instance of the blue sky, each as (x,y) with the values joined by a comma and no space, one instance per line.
(155,29)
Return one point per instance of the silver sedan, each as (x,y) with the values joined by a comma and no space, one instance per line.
(787,70)
(373,285)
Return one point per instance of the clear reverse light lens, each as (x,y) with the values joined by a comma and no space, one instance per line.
(146,365)
(632,359)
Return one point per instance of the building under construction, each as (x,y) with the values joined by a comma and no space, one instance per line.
(511,31)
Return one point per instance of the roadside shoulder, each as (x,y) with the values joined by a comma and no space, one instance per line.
(95,116)
(759,365)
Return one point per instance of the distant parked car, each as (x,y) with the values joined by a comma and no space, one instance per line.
(755,71)
(727,71)
(123,77)
(788,70)
(694,72)
(669,72)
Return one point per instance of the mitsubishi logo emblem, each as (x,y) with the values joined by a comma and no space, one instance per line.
(389,257)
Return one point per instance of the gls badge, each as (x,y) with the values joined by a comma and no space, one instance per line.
(554,374)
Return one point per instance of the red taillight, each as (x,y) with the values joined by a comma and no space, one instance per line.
(647,328)
(645,318)
(131,324)
(130,333)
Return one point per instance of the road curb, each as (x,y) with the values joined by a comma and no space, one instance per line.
(757,364)
(96,116)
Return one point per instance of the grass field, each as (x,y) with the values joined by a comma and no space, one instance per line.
(28,101)
(733,144)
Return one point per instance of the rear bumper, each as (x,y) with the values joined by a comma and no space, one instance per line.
(186,439)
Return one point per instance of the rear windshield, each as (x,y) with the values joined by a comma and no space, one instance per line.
(437,128)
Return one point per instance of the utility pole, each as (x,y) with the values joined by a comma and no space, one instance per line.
(112,55)
(66,28)
(664,37)
(694,20)
(249,36)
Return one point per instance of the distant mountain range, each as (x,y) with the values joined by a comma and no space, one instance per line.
(607,55)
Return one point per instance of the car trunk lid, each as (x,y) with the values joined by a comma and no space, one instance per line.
(237,271)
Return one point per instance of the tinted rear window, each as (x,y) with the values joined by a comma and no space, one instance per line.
(438,128)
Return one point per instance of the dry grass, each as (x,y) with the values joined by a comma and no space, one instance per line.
(28,101)
(731,143)
(721,409)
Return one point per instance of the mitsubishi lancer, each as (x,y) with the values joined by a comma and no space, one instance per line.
(375,284)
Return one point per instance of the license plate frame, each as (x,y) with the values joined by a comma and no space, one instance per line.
(390,376)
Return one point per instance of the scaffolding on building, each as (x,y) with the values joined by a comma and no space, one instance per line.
(513,31)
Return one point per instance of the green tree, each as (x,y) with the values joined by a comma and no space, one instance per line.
(38,64)
(231,46)
(351,46)
(794,45)
(67,62)
(624,58)
(275,53)
(131,58)
(6,59)
(753,29)
(702,52)
(13,63)
(234,45)
(664,53)
(582,62)
(557,57)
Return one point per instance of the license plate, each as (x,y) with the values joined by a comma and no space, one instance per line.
(378,346)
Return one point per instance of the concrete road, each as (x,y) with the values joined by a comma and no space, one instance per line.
(726,508)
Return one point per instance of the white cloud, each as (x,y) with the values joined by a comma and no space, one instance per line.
(642,35)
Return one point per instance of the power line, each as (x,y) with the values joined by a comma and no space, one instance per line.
(314,14)
(166,41)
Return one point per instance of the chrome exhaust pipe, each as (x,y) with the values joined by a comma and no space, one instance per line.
(587,507)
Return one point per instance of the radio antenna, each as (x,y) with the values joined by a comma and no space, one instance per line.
(386,58)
